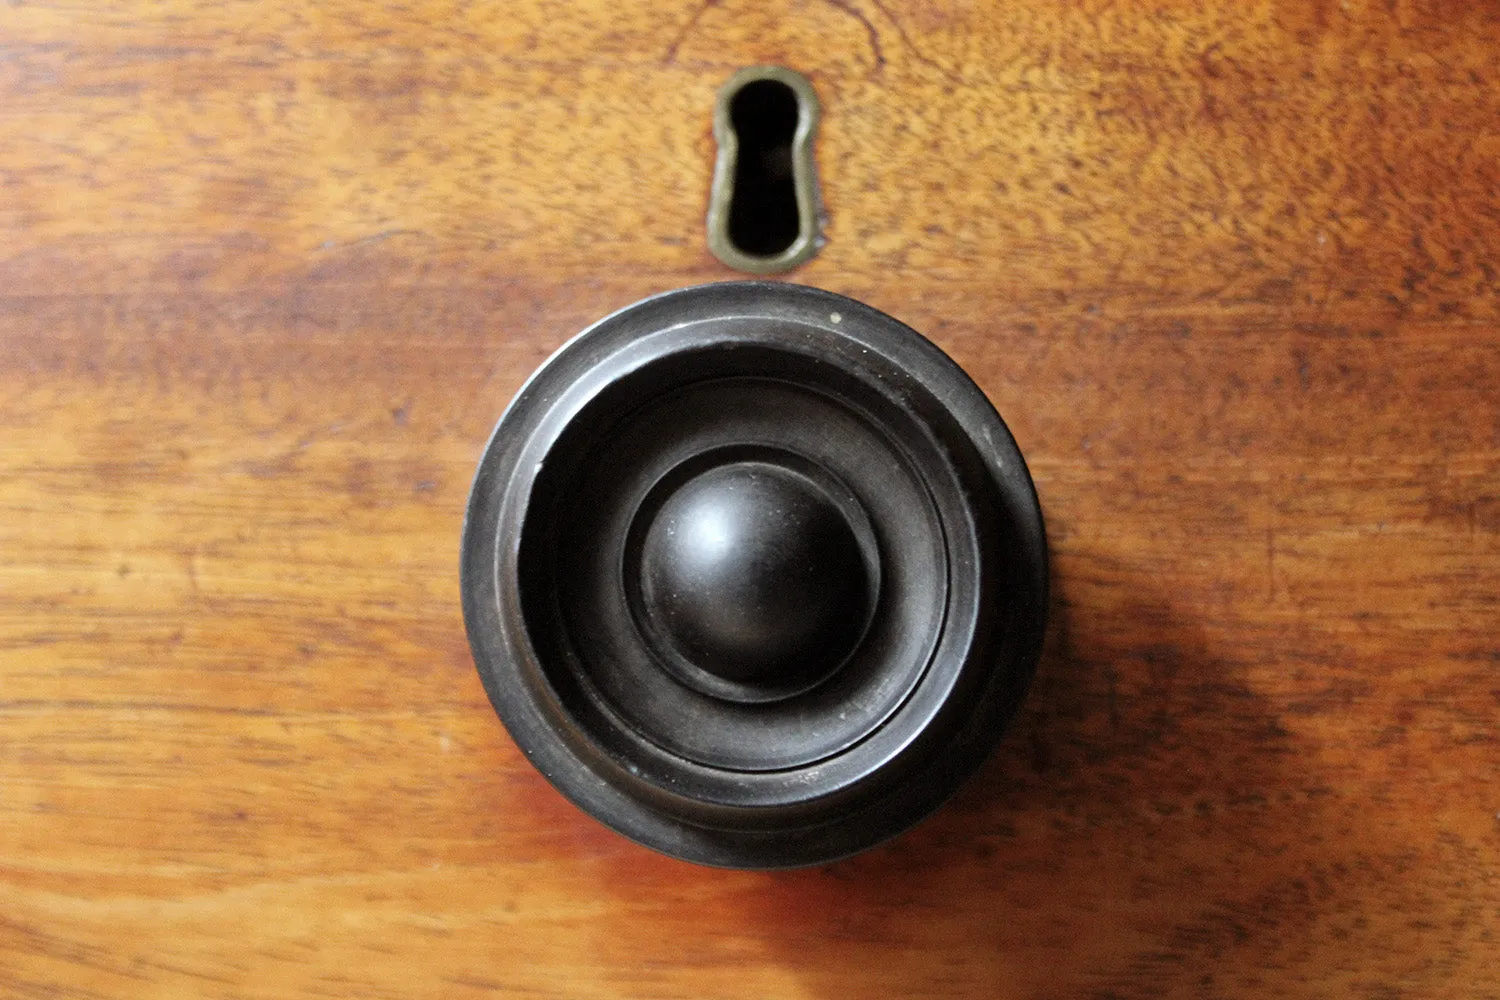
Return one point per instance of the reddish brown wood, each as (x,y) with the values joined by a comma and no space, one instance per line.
(270,271)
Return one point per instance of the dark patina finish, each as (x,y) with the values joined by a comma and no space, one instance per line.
(754,574)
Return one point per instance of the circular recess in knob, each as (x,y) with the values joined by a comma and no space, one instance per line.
(754,574)
(753,580)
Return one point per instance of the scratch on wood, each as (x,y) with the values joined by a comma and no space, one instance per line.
(692,22)
(379,237)
(874,33)
(911,47)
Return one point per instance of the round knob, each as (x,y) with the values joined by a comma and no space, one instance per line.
(752,573)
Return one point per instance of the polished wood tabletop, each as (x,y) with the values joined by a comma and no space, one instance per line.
(270,271)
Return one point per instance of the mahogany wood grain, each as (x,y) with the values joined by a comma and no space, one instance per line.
(270,271)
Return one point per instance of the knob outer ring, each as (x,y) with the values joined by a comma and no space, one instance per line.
(841,819)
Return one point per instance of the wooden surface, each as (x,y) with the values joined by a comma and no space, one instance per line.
(269,272)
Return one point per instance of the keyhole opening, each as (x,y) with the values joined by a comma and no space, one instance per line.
(763,218)
(764,213)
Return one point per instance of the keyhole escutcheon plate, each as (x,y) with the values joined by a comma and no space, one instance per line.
(765,214)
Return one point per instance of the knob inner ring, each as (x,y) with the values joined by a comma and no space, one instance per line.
(686,401)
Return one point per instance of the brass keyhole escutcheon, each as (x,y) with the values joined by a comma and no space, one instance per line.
(764,214)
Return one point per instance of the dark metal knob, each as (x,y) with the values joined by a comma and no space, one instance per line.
(754,574)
